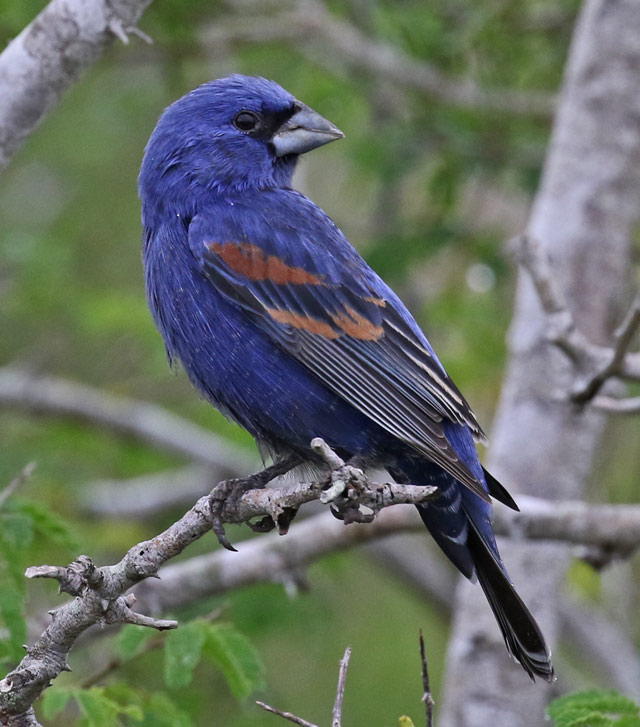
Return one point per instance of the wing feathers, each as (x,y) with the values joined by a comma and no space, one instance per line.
(354,341)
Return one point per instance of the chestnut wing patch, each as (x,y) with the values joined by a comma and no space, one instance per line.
(254,264)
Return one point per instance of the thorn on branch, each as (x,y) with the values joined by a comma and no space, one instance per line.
(119,611)
(139,619)
(324,451)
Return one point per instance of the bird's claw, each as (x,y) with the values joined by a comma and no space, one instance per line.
(285,518)
(223,499)
(264,525)
(282,521)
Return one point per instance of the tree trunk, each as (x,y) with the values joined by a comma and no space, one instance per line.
(584,214)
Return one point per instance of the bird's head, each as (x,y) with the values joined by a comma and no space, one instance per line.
(229,135)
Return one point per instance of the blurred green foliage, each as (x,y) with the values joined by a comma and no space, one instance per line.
(429,192)
(595,708)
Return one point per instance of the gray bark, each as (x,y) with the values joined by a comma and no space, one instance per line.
(38,66)
(584,215)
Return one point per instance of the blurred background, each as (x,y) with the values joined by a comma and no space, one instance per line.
(446,107)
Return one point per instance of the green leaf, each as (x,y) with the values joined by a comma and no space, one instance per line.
(47,523)
(182,653)
(17,530)
(99,710)
(236,657)
(580,718)
(162,712)
(16,535)
(628,721)
(131,641)
(594,708)
(54,700)
(128,699)
(11,602)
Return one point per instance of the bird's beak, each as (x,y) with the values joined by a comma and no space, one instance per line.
(304,131)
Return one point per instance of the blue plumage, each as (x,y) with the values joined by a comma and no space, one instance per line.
(281,324)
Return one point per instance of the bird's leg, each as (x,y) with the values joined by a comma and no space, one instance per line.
(346,482)
(225,495)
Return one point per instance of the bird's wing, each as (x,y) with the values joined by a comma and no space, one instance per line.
(357,342)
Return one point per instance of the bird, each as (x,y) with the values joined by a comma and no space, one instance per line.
(281,324)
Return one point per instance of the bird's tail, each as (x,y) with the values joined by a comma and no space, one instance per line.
(520,631)
(459,522)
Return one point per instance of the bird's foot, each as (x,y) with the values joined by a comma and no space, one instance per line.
(224,498)
(346,484)
(344,493)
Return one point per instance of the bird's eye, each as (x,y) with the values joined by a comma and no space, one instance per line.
(245,121)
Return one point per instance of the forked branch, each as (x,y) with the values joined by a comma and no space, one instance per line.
(594,364)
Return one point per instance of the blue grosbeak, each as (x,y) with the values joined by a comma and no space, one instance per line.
(282,326)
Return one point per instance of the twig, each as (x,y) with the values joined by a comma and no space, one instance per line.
(286,715)
(629,405)
(336,720)
(147,422)
(622,338)
(427,698)
(594,364)
(15,483)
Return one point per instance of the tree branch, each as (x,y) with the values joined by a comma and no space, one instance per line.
(99,593)
(336,716)
(311,24)
(145,421)
(613,529)
(41,63)
(629,405)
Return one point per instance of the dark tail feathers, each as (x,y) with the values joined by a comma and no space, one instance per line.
(521,634)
